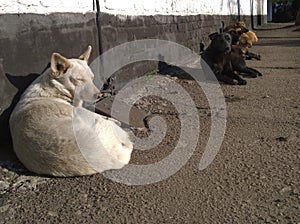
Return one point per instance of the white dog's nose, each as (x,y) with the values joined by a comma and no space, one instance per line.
(99,95)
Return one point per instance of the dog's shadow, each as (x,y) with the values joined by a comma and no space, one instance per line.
(202,73)
(173,71)
(8,159)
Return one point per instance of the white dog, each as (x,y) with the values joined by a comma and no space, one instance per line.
(54,135)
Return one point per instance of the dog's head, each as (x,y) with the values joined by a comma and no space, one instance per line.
(74,78)
(240,24)
(220,42)
(236,34)
(245,41)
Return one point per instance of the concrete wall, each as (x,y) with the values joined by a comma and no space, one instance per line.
(30,30)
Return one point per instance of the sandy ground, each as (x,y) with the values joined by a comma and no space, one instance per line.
(253,179)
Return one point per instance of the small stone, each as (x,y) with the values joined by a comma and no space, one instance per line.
(174,78)
(28,183)
(78,213)
(4,208)
(296,191)
(268,220)
(3,186)
(282,139)
(285,190)
(52,213)
(4,170)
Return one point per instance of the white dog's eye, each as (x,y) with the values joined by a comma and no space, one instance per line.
(77,80)
(80,79)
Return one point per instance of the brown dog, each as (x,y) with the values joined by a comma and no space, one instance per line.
(247,37)
(235,26)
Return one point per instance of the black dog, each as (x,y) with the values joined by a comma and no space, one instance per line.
(238,63)
(218,57)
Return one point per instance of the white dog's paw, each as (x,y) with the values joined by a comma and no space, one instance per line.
(114,139)
(121,146)
(123,153)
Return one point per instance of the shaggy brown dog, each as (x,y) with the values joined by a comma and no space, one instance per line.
(247,37)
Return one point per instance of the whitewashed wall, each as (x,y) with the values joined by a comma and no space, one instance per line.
(136,7)
(45,6)
(182,7)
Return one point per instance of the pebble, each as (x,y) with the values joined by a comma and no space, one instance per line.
(4,208)
(28,183)
(52,213)
(79,213)
(3,186)
(174,78)
(282,139)
(285,190)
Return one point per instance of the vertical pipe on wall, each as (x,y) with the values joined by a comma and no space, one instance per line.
(98,23)
(269,11)
(259,11)
(251,12)
(239,10)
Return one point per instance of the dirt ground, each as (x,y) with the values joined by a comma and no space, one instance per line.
(253,179)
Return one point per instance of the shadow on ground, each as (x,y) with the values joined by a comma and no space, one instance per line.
(8,159)
(275,28)
(284,42)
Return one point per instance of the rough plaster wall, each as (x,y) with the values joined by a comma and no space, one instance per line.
(136,7)
(180,7)
(45,6)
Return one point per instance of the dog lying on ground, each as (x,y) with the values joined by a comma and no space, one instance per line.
(45,121)
(247,37)
(235,26)
(239,64)
(227,61)
(235,35)
(239,54)
(218,57)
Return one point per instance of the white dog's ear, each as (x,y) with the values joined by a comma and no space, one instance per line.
(86,55)
(59,64)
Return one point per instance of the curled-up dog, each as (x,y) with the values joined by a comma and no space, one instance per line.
(218,57)
(54,135)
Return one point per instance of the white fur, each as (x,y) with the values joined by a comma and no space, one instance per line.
(44,123)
